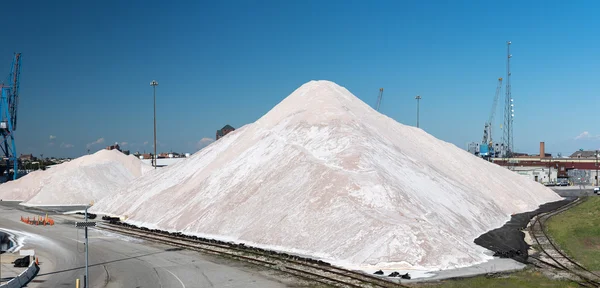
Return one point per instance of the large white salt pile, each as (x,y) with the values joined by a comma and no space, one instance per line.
(323,174)
(80,181)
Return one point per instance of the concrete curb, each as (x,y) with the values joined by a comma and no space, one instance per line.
(23,278)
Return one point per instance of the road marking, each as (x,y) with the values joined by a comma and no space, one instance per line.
(180,282)
(76,240)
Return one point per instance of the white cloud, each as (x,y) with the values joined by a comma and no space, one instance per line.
(123,144)
(586,135)
(99,141)
(145,143)
(51,144)
(52,137)
(204,142)
(583,135)
(66,145)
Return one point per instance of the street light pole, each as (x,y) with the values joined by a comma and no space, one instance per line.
(418,99)
(87,275)
(154,84)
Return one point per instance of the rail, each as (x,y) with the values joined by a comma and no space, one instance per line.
(553,253)
(310,269)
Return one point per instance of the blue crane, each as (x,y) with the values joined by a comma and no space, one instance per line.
(8,118)
(486,149)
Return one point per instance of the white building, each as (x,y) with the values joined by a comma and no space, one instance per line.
(538,174)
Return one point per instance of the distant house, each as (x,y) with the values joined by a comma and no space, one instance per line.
(583,154)
(27,157)
(114,147)
(145,156)
(224,131)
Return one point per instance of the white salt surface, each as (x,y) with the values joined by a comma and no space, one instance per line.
(80,181)
(324,174)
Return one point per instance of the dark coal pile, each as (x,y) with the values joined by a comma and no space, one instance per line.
(508,241)
(22,262)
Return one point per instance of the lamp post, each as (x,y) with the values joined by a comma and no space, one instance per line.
(418,99)
(154,84)
(596,167)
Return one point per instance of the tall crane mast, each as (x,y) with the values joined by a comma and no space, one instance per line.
(486,149)
(508,109)
(8,118)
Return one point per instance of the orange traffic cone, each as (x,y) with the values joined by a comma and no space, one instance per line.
(37,261)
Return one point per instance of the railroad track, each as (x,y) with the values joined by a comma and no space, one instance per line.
(316,271)
(551,253)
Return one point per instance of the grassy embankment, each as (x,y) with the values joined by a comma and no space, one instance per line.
(577,232)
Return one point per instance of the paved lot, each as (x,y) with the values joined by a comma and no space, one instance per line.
(7,271)
(119,261)
(574,191)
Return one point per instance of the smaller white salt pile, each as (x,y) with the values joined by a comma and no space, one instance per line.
(80,181)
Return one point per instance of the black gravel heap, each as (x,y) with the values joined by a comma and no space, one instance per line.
(508,241)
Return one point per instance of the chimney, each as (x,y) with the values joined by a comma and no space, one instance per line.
(542,150)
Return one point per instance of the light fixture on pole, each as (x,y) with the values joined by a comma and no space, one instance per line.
(418,97)
(154,84)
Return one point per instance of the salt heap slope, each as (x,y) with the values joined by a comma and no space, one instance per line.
(324,174)
(80,181)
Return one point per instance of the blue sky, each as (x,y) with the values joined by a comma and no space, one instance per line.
(87,66)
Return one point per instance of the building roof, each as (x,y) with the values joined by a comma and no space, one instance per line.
(227,127)
(583,154)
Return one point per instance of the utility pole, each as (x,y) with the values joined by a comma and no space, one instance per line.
(154,84)
(418,99)
(87,275)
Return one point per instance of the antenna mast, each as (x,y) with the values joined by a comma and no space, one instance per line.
(508,109)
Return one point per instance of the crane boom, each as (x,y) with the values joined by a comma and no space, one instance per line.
(13,98)
(486,147)
(493,113)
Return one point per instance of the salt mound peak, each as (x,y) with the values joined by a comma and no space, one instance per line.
(318,101)
(79,181)
(324,174)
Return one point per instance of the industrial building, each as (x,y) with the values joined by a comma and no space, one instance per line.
(582,168)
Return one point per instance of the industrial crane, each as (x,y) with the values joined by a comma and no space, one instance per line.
(486,149)
(8,118)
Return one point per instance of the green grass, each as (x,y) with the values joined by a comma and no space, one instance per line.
(522,279)
(577,232)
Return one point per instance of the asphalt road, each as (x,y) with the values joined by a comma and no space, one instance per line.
(120,261)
